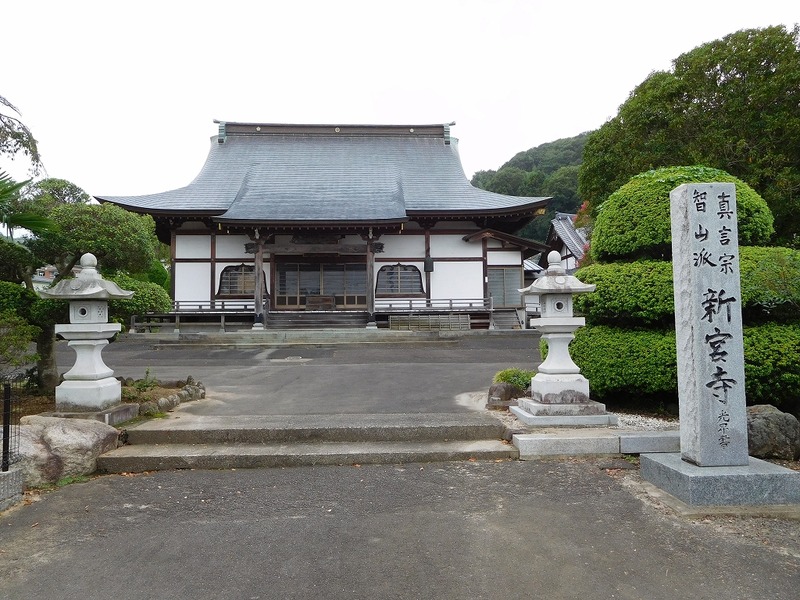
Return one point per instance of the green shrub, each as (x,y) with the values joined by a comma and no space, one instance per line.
(16,337)
(639,367)
(772,365)
(770,283)
(17,299)
(518,377)
(628,294)
(147,297)
(627,366)
(635,222)
(631,294)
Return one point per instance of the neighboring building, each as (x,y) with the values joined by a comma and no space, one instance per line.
(569,241)
(372,218)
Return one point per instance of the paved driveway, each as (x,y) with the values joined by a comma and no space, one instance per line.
(346,378)
(508,530)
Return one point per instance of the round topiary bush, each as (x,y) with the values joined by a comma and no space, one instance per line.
(640,293)
(628,294)
(635,223)
(639,367)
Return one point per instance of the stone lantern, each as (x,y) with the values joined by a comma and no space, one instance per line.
(559,393)
(90,384)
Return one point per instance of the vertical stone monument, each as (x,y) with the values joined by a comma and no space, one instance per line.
(90,384)
(559,393)
(713,467)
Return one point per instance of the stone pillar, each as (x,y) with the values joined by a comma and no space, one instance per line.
(708,324)
(713,468)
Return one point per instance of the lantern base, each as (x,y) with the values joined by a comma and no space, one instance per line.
(83,396)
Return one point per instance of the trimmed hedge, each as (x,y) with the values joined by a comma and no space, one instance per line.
(626,366)
(628,294)
(635,223)
(631,294)
(639,367)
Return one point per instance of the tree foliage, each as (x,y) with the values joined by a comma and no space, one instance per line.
(731,104)
(16,336)
(15,137)
(147,297)
(46,194)
(635,221)
(550,169)
(118,238)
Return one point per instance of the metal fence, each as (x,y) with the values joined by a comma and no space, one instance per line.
(11,409)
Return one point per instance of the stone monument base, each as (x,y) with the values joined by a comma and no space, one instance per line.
(758,484)
(575,414)
(82,396)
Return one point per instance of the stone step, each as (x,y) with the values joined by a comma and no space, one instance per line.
(593,441)
(140,458)
(185,428)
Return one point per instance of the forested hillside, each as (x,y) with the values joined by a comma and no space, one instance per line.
(547,170)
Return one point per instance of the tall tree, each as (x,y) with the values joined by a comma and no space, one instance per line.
(15,137)
(732,104)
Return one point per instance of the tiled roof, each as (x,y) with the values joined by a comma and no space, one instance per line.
(574,239)
(309,173)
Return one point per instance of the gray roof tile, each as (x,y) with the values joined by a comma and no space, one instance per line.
(287,177)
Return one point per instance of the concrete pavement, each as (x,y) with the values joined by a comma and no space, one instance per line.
(494,530)
(362,378)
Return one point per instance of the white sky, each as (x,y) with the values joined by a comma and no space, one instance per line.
(121,95)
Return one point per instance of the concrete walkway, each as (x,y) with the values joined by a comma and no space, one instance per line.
(362,377)
(483,530)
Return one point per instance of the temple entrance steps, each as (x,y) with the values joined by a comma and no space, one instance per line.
(194,442)
(506,318)
(312,319)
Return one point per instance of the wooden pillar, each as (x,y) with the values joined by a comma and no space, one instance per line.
(370,278)
(259,282)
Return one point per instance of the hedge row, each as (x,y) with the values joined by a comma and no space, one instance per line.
(634,222)
(639,367)
(640,293)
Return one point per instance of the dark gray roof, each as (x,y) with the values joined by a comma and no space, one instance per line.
(574,239)
(281,173)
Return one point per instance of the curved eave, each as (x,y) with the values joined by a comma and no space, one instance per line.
(158,212)
(310,224)
(520,210)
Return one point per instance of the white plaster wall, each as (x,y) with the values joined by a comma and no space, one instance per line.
(493,243)
(457,280)
(231,246)
(402,246)
(504,258)
(192,281)
(454,246)
(192,246)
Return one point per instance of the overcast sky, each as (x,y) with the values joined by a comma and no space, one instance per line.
(122,95)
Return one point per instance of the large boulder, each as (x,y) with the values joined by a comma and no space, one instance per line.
(772,433)
(52,448)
